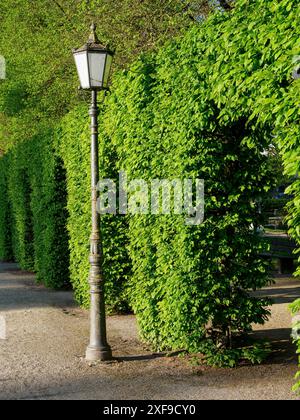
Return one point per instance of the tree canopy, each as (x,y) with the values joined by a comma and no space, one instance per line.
(37,39)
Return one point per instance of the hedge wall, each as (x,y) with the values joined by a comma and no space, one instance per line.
(45,211)
(208,105)
(35,203)
(73,143)
(188,278)
(6,252)
(49,213)
(19,194)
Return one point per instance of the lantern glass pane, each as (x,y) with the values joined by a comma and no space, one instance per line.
(81,62)
(107,69)
(96,68)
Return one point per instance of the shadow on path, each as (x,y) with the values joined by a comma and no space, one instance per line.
(281,294)
(42,357)
(18,290)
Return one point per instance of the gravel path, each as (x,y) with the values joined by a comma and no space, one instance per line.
(47,335)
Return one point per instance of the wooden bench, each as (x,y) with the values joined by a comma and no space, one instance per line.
(282,247)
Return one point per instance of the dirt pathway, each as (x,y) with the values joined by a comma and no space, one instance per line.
(47,335)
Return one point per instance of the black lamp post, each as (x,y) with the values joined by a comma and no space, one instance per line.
(93,62)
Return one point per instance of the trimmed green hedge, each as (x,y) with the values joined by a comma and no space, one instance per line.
(49,212)
(209,105)
(73,143)
(36,199)
(45,211)
(190,284)
(6,252)
(19,193)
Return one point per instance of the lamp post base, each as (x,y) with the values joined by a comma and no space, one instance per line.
(94,354)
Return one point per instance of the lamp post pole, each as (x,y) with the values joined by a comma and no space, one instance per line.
(93,62)
(98,348)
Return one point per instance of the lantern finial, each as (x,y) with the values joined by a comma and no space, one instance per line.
(93,36)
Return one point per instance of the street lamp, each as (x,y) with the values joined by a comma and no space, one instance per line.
(93,62)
